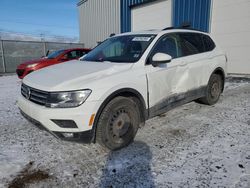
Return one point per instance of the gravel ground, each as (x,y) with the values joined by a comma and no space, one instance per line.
(191,146)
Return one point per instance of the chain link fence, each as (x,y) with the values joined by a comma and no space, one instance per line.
(13,53)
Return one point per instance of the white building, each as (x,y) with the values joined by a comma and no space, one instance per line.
(227,20)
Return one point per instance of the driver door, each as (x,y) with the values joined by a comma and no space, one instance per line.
(166,82)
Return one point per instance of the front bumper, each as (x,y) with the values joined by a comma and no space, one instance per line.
(43,118)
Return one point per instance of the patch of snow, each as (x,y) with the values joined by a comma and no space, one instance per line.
(191,146)
(11,162)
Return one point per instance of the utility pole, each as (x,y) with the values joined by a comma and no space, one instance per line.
(3,59)
(44,48)
(42,37)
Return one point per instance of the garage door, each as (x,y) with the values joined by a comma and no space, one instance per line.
(156,15)
(231,27)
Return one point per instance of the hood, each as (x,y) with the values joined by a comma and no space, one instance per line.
(41,60)
(72,75)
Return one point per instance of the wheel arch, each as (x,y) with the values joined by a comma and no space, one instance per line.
(126,92)
(221,72)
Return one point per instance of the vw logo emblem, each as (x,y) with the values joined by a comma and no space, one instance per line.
(27,94)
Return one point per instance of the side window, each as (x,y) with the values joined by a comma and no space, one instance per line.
(208,43)
(168,45)
(80,53)
(72,55)
(191,44)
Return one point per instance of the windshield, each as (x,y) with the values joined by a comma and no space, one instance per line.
(127,48)
(55,54)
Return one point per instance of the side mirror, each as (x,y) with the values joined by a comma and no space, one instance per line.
(161,58)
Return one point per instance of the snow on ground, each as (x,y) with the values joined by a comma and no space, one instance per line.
(191,146)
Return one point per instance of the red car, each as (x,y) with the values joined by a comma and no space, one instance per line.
(56,57)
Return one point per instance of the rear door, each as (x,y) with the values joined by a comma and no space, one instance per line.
(197,57)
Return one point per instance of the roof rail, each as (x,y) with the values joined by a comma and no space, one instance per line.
(112,34)
(168,28)
(184,25)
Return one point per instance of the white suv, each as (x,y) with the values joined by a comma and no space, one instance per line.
(124,81)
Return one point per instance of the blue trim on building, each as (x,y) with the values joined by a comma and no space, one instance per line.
(195,12)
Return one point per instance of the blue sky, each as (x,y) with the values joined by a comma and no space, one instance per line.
(48,17)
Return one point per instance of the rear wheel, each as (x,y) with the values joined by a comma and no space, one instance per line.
(118,123)
(213,91)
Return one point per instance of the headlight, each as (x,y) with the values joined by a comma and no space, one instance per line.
(32,65)
(67,99)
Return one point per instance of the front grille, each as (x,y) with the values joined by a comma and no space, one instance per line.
(20,72)
(34,95)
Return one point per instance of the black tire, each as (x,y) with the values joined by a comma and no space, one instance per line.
(118,123)
(213,90)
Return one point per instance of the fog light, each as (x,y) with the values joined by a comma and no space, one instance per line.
(68,135)
(65,123)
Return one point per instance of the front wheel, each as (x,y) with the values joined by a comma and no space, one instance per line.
(213,91)
(118,123)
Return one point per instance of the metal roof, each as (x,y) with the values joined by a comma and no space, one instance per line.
(81,2)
